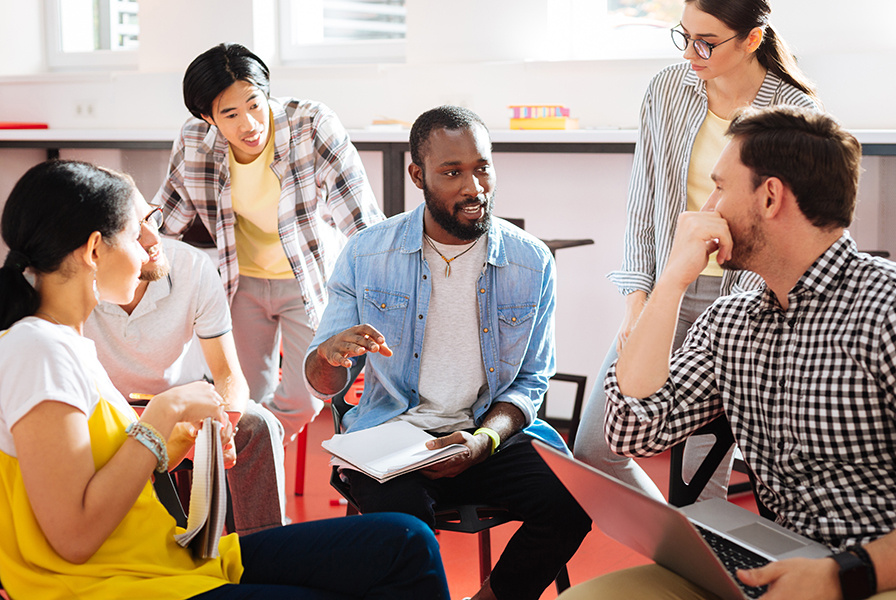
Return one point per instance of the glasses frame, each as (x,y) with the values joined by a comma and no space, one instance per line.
(699,45)
(154,216)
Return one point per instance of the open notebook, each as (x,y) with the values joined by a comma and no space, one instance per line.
(386,451)
(208,496)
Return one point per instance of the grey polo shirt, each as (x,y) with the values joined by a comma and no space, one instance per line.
(153,348)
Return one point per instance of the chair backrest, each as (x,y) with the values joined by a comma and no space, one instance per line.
(338,405)
(681,493)
(572,424)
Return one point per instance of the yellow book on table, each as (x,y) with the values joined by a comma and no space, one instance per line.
(545,123)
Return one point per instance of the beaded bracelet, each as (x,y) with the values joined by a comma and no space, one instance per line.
(147,435)
(496,439)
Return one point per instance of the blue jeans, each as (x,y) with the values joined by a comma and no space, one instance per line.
(383,556)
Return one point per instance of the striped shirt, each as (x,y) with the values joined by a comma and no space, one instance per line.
(324,193)
(810,392)
(673,110)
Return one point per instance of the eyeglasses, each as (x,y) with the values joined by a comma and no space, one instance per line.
(701,47)
(154,217)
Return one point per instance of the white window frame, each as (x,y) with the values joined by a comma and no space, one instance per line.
(57,59)
(333,52)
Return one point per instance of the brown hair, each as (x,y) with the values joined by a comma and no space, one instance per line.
(809,152)
(773,53)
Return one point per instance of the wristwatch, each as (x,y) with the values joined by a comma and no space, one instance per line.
(857,577)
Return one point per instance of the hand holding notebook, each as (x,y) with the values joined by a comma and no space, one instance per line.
(208,496)
(387,451)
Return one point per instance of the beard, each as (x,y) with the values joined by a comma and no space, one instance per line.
(745,245)
(156,271)
(451,223)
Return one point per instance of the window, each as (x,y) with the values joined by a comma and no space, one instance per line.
(92,33)
(334,31)
(615,29)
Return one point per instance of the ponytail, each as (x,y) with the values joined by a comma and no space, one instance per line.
(18,298)
(743,16)
(775,55)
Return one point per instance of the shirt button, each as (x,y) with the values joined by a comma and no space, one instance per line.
(513,319)
(424,276)
(491,369)
(419,316)
(415,355)
(413,391)
(481,290)
(382,306)
(485,330)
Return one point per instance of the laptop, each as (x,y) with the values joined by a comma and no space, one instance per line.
(705,542)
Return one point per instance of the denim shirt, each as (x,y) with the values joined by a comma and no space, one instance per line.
(382,279)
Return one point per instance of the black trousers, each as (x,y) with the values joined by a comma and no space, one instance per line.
(515,478)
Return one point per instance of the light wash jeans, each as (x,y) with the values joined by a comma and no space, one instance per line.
(591,444)
(265,311)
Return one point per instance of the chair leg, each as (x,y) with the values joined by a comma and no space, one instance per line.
(485,555)
(301,451)
(562,580)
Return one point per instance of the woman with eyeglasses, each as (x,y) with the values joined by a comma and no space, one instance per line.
(78,515)
(734,59)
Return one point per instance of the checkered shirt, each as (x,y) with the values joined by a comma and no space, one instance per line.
(324,197)
(809,392)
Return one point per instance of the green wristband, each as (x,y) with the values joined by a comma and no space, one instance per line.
(496,439)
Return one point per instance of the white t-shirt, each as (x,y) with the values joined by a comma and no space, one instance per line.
(452,373)
(42,361)
(152,349)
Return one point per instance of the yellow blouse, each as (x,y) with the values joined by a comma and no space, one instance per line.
(139,560)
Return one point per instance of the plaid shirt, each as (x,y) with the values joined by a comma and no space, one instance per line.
(324,191)
(809,392)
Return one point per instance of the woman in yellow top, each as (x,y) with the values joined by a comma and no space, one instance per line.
(77,510)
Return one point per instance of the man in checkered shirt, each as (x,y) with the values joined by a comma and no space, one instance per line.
(804,368)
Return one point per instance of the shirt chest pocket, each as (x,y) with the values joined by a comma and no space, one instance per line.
(387,313)
(515,324)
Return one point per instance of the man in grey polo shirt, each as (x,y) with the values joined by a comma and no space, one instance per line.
(148,346)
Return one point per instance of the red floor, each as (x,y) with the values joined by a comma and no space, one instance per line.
(597,555)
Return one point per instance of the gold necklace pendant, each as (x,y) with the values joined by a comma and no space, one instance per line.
(445,258)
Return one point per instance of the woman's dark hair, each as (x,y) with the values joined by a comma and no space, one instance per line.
(743,16)
(217,69)
(51,212)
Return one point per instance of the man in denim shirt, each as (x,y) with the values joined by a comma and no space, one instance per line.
(455,311)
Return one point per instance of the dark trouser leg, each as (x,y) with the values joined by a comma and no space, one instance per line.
(378,557)
(516,478)
(553,527)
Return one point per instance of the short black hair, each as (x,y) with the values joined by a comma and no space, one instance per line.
(809,152)
(217,69)
(442,117)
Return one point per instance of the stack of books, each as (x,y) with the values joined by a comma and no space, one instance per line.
(541,116)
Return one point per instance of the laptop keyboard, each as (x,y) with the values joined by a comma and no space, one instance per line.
(735,557)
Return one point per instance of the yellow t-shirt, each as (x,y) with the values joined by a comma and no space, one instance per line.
(707,147)
(255,196)
(140,559)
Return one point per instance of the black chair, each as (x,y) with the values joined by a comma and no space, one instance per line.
(463,518)
(571,425)
(682,493)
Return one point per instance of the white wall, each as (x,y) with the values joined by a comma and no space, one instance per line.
(483,60)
